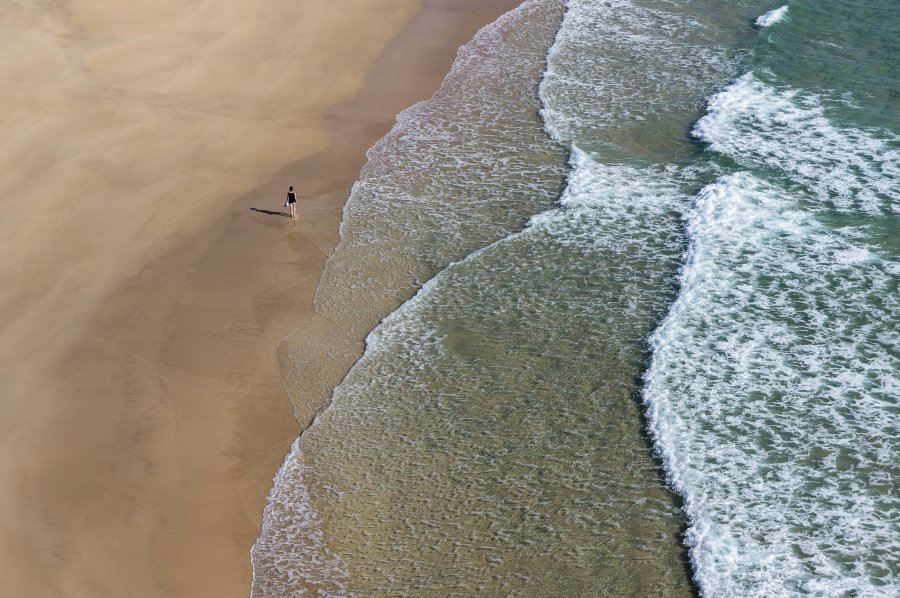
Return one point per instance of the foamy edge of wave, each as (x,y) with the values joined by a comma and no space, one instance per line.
(722,557)
(783,129)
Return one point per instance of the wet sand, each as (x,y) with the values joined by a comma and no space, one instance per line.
(149,271)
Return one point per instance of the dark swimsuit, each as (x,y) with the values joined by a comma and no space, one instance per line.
(292,197)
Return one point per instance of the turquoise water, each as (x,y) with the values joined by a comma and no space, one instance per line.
(774,383)
(656,352)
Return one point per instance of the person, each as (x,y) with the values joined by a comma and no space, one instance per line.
(292,201)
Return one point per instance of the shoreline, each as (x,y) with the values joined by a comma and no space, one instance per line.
(165,415)
(459,20)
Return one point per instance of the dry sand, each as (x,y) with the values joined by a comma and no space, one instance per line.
(141,296)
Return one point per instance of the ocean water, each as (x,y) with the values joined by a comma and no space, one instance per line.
(773,388)
(631,281)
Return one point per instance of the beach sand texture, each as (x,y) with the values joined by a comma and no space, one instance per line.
(142,297)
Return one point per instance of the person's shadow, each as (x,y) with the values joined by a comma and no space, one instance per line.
(271,213)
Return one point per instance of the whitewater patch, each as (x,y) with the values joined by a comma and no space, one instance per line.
(772,17)
(789,132)
(770,396)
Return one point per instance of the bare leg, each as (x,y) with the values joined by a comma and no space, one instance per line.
(293,210)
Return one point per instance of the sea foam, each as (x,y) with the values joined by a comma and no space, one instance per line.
(772,17)
(774,376)
(789,132)
(770,396)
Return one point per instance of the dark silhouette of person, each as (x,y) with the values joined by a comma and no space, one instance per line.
(292,201)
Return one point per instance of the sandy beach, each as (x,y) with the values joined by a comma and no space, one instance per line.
(149,269)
